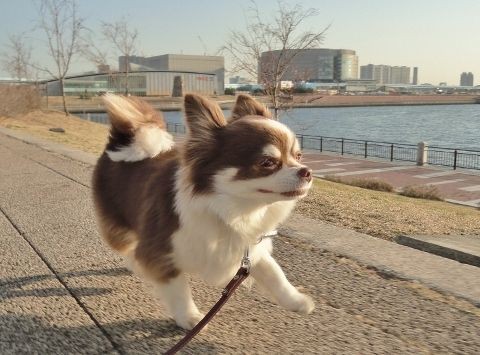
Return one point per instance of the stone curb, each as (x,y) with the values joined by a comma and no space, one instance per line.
(387,258)
(462,256)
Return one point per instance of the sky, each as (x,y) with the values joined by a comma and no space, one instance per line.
(440,37)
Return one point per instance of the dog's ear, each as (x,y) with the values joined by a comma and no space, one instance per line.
(247,106)
(202,116)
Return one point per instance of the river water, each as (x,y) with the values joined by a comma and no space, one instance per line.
(450,126)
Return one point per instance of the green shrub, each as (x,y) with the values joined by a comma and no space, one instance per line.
(229,91)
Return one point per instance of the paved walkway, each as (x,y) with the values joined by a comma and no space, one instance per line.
(454,185)
(62,291)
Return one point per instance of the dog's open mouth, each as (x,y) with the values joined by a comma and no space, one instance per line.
(293,193)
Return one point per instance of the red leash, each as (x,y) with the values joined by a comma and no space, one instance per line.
(239,277)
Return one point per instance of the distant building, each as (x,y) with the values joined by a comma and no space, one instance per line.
(314,65)
(238,80)
(400,75)
(103,68)
(141,83)
(380,73)
(180,63)
(466,79)
(385,74)
(415,76)
(360,85)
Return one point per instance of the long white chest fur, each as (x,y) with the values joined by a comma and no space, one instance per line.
(214,232)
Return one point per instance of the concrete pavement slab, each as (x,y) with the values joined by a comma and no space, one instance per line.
(38,315)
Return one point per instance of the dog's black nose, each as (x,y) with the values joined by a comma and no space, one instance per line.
(305,173)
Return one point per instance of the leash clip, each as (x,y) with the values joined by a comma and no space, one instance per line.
(246,264)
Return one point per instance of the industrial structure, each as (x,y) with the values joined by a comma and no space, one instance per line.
(386,74)
(140,83)
(178,63)
(312,65)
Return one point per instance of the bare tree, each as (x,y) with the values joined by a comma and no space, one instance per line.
(17,58)
(92,51)
(265,50)
(124,40)
(62,27)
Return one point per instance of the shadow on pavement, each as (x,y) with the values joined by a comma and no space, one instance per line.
(23,281)
(27,334)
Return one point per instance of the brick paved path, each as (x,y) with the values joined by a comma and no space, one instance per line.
(454,185)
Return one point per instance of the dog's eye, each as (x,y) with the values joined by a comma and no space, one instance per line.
(298,156)
(268,162)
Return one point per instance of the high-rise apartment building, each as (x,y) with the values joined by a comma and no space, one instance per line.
(400,75)
(466,79)
(314,65)
(415,76)
(385,74)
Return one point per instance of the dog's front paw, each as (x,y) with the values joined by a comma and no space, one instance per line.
(188,321)
(302,304)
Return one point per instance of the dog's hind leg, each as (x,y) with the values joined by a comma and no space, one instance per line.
(268,274)
(120,239)
(177,297)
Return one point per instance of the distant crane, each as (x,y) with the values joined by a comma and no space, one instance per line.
(203,45)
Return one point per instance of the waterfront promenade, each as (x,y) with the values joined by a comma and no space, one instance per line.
(62,291)
(456,186)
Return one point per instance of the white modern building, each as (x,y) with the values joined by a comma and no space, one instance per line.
(141,83)
(179,63)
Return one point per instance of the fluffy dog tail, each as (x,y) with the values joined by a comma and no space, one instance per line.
(137,131)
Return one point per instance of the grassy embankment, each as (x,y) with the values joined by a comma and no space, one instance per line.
(380,214)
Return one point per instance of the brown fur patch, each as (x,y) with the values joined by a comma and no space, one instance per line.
(138,198)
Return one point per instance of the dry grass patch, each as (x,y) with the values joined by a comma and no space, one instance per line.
(370,184)
(425,192)
(80,134)
(386,215)
(18,99)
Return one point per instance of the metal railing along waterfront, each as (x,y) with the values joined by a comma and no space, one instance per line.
(455,158)
(441,156)
(385,150)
